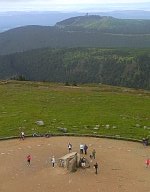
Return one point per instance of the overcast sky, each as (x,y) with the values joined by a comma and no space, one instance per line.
(70,5)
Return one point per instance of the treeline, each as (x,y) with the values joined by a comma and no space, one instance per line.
(121,67)
(35,37)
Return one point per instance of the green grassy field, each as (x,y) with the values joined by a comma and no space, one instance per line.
(88,109)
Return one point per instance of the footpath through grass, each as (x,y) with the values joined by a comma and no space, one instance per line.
(93,109)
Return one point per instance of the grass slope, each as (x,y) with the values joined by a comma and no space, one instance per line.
(94,109)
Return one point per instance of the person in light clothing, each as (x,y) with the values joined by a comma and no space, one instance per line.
(22,135)
(53,161)
(81,148)
(70,147)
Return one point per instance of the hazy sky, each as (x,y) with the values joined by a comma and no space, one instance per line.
(70,5)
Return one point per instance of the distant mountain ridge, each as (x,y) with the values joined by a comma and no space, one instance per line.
(9,20)
(106,24)
(81,31)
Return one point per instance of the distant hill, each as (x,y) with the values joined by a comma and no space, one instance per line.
(10,20)
(106,24)
(81,31)
(121,67)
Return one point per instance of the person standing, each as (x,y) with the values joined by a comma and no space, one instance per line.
(93,153)
(91,157)
(147,162)
(28,159)
(85,149)
(81,148)
(83,162)
(70,147)
(22,135)
(53,161)
(96,167)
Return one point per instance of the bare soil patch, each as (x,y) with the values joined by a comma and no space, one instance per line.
(121,166)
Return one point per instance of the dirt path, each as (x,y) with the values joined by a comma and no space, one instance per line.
(122,166)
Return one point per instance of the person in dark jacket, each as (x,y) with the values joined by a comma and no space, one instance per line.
(29,159)
(96,167)
(85,149)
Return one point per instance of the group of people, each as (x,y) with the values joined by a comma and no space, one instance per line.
(83,150)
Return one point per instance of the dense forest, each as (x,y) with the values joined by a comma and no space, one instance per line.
(121,67)
(82,31)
